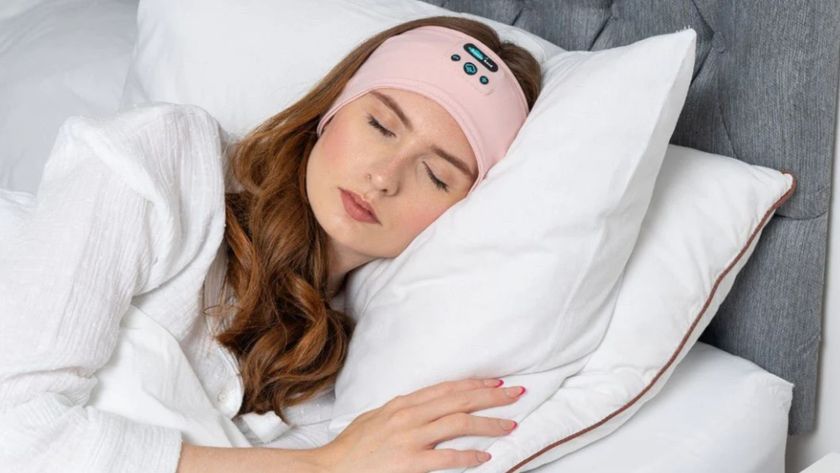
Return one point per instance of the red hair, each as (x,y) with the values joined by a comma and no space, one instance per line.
(289,342)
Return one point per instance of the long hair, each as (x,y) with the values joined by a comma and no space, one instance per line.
(289,342)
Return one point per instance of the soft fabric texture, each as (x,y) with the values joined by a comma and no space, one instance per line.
(719,49)
(687,179)
(123,360)
(57,58)
(460,73)
(748,100)
(704,221)
(596,224)
(149,380)
(14,206)
(243,79)
(733,417)
(129,212)
(720,116)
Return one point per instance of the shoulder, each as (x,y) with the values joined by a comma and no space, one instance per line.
(157,148)
(149,114)
(145,127)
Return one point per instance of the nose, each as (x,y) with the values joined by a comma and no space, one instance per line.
(386,172)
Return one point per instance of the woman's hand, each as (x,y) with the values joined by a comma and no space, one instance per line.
(401,435)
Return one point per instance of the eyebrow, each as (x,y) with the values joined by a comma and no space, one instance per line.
(393,105)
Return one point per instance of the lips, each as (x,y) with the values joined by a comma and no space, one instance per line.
(361,203)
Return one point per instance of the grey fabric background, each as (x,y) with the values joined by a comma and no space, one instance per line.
(764,91)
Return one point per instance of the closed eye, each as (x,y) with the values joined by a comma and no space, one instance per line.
(379,127)
(438,183)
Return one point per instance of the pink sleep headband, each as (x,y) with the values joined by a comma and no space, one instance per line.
(457,71)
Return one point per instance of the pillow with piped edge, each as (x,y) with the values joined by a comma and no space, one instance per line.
(705,219)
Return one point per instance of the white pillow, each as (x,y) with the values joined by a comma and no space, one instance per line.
(57,58)
(704,221)
(718,413)
(520,280)
(183,55)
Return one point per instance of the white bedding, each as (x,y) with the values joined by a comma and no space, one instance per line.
(718,412)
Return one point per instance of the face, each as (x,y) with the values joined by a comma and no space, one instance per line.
(386,146)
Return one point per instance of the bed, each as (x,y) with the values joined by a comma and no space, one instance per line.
(755,61)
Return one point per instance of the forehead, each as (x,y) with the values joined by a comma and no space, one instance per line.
(414,106)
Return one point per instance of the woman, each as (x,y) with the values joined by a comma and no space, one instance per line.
(296,225)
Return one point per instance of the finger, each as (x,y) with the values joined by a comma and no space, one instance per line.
(461,424)
(434,391)
(463,401)
(444,458)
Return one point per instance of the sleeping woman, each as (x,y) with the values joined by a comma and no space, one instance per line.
(404,127)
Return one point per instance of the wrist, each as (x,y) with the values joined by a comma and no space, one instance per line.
(313,460)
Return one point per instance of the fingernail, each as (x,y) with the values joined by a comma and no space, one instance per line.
(483,456)
(493,383)
(507,424)
(515,391)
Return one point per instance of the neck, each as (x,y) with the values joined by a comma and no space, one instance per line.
(342,260)
(335,285)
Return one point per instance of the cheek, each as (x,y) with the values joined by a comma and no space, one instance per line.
(332,148)
(344,140)
(331,159)
(418,217)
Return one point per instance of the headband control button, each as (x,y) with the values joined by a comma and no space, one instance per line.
(483,79)
(470,68)
(481,57)
(455,57)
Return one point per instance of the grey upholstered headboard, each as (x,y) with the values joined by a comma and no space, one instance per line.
(764,91)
